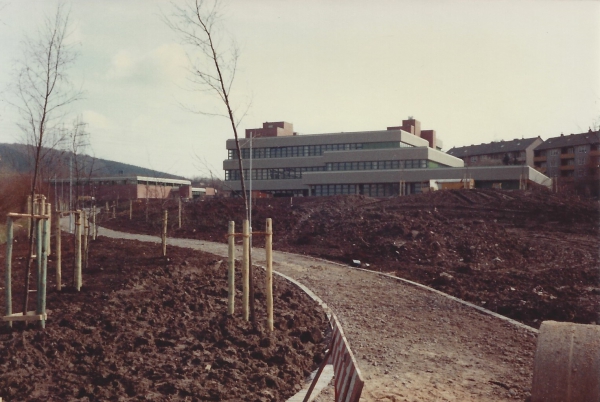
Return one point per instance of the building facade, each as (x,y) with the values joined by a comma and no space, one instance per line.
(122,187)
(571,160)
(397,161)
(515,152)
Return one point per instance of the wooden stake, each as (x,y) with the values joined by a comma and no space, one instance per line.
(179,212)
(130,209)
(29,212)
(77,276)
(107,209)
(8,270)
(42,206)
(86,232)
(94,227)
(269,255)
(114,210)
(246,269)
(49,213)
(164,233)
(58,255)
(39,243)
(231,270)
(41,306)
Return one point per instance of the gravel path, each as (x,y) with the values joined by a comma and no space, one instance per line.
(411,344)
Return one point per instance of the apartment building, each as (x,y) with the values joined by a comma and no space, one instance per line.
(572,160)
(515,152)
(396,161)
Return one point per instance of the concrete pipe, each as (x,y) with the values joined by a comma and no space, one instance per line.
(567,363)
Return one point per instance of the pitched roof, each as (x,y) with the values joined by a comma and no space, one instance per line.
(493,147)
(570,140)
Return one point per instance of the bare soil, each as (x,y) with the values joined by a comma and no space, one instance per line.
(411,344)
(528,255)
(145,327)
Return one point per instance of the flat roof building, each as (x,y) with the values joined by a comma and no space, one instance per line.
(400,160)
(123,187)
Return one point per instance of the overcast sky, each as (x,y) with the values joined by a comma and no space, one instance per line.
(474,71)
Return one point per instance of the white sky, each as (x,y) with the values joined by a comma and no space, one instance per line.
(474,71)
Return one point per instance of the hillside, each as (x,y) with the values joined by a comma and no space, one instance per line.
(15,158)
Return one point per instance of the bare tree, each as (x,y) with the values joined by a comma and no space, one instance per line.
(207,174)
(213,61)
(43,91)
(82,165)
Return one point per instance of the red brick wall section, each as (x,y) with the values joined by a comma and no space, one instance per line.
(429,135)
(185,191)
(152,191)
(271,129)
(412,126)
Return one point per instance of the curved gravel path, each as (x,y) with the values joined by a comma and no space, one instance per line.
(411,344)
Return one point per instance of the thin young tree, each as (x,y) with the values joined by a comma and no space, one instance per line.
(213,59)
(43,92)
(78,143)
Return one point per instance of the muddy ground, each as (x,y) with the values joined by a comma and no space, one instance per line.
(410,344)
(145,327)
(531,256)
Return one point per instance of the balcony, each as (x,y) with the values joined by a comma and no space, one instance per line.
(539,159)
(594,153)
(567,167)
(567,156)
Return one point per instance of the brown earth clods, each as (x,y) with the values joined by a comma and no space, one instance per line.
(146,327)
(528,255)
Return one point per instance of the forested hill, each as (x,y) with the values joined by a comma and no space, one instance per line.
(16,158)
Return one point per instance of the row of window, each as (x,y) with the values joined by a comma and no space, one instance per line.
(569,162)
(333,189)
(311,150)
(371,190)
(377,165)
(153,183)
(122,182)
(296,173)
(582,149)
(272,174)
(580,172)
(498,156)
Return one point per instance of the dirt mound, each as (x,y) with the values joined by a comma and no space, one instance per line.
(531,256)
(152,328)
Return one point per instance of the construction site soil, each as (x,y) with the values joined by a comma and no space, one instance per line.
(528,255)
(147,327)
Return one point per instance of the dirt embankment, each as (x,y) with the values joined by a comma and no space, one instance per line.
(145,327)
(531,256)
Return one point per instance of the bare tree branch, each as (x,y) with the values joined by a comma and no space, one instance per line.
(43,90)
